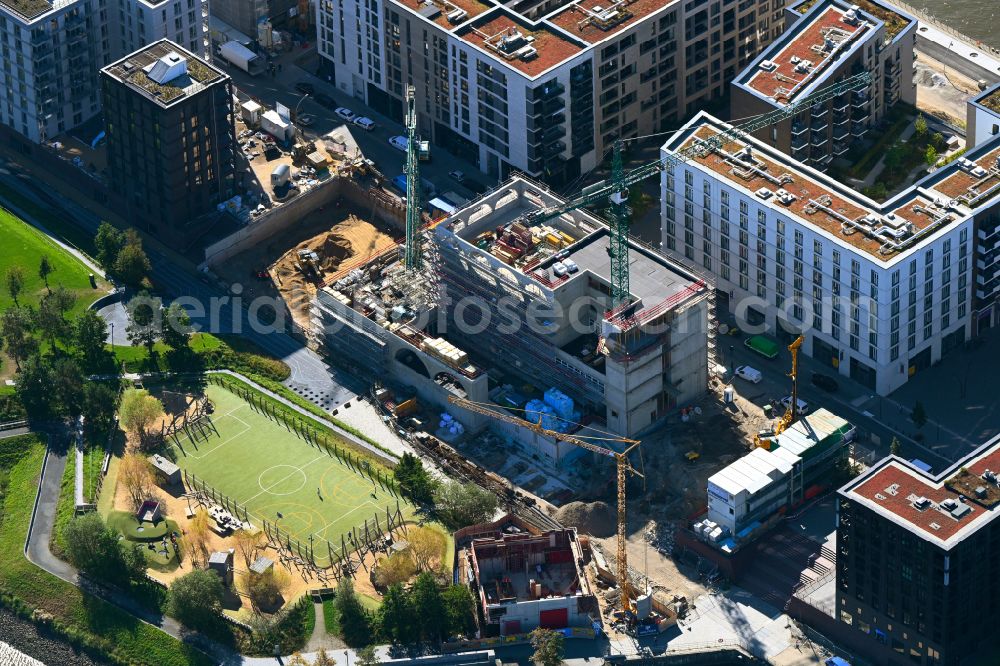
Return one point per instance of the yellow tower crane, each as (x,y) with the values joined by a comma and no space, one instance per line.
(792,410)
(621,462)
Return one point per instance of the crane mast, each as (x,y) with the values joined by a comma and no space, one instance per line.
(623,468)
(411,258)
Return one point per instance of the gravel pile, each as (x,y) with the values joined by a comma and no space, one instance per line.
(594,518)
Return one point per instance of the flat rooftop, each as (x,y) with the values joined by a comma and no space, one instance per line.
(942,509)
(884,231)
(894,20)
(184,73)
(27,9)
(447,13)
(804,54)
(531,48)
(595,20)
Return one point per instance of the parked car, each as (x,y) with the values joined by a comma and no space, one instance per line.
(458,176)
(802,407)
(570,265)
(825,382)
(559,268)
(367,124)
(399,142)
(305,119)
(305,88)
(344,113)
(325,100)
(749,374)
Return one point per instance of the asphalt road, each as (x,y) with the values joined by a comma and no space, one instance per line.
(311,377)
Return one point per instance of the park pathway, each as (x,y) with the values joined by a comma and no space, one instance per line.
(320,638)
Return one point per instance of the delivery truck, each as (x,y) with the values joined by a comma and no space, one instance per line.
(239,55)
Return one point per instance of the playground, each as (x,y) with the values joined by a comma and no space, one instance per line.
(297,485)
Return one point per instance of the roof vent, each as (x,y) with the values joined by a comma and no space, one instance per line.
(921,503)
(935,526)
(949,504)
(893,489)
(167,68)
(980,492)
(768,65)
(786,197)
(851,15)
(795,59)
(990,476)
(880,497)
(457,15)
(961,510)
(527,53)
(764,193)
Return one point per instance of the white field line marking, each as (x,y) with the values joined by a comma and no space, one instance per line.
(284,478)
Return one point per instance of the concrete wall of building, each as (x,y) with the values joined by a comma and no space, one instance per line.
(527,613)
(981,123)
(688,368)
(241,14)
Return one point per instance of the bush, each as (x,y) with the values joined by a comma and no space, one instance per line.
(196,598)
(95,549)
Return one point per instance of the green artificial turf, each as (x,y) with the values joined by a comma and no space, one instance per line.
(269,469)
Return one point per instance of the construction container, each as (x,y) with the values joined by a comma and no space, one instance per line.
(553,240)
(406,408)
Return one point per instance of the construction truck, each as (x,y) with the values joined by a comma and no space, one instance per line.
(300,151)
(308,263)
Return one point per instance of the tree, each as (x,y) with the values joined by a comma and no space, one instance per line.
(413,479)
(45,270)
(196,598)
(195,540)
(919,415)
(67,386)
(176,327)
(138,411)
(323,658)
(109,242)
(895,447)
(462,504)
(367,656)
(548,647)
(90,332)
(894,157)
(397,568)
(132,265)
(98,405)
(144,324)
(352,617)
(396,616)
(931,156)
(459,610)
(15,282)
(32,385)
(920,125)
(51,316)
(136,476)
(248,545)
(425,599)
(94,548)
(266,590)
(426,545)
(16,327)
(938,140)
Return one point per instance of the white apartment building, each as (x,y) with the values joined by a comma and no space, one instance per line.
(541,86)
(51,53)
(880,291)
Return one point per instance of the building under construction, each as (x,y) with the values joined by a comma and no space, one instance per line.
(521,315)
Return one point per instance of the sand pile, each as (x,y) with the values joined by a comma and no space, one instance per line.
(346,244)
(594,518)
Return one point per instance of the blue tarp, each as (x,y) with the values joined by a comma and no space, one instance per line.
(837,661)
(920,464)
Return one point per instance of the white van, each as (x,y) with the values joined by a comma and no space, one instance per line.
(801,406)
(365,123)
(399,142)
(751,375)
(559,268)
(570,265)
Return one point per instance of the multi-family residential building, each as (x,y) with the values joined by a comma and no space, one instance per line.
(918,561)
(246,15)
(880,291)
(171,139)
(541,86)
(52,52)
(834,40)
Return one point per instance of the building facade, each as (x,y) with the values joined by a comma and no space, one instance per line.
(880,291)
(171,139)
(830,41)
(542,87)
(52,53)
(914,553)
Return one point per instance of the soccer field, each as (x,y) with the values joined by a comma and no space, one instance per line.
(279,476)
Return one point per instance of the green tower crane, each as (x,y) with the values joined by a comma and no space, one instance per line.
(411,259)
(616,189)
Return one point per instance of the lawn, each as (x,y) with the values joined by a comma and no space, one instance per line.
(145,535)
(277,475)
(78,615)
(24,246)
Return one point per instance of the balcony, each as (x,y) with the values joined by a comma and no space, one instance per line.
(841,132)
(819,126)
(859,129)
(859,97)
(549,91)
(552,149)
(840,148)
(799,142)
(550,135)
(818,110)
(818,140)
(841,103)
(840,118)
(799,128)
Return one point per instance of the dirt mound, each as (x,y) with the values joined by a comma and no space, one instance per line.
(594,518)
(346,243)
